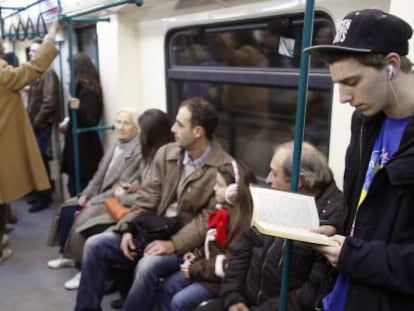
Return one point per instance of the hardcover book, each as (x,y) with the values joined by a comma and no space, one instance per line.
(287,215)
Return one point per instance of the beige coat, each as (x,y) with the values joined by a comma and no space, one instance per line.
(21,166)
(196,200)
(128,168)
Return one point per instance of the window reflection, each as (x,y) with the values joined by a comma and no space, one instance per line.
(253,120)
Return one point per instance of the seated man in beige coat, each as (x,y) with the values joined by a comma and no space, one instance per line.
(180,184)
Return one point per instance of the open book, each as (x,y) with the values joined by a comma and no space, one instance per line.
(286,215)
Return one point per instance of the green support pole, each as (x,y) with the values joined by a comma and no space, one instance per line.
(299,126)
(95,128)
(74,119)
(62,107)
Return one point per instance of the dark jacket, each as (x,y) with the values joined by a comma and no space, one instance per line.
(379,258)
(255,270)
(203,269)
(90,146)
(43,107)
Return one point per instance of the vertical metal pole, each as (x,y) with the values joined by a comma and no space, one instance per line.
(74,120)
(300,121)
(62,106)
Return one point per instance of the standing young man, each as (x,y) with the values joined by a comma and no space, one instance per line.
(180,184)
(43,108)
(375,261)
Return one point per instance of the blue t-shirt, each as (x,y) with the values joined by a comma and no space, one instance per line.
(385,145)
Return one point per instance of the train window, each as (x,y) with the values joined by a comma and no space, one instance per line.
(249,71)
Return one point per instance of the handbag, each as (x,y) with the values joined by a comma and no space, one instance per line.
(149,227)
(115,208)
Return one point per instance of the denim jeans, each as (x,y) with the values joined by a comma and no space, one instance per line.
(101,252)
(66,219)
(181,294)
(149,271)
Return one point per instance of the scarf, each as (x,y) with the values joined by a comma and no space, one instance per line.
(219,219)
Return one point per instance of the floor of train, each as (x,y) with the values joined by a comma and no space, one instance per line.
(26,283)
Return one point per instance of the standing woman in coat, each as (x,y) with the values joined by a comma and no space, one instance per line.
(88,103)
(203,269)
(21,165)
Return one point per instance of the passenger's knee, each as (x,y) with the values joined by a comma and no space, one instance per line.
(178,303)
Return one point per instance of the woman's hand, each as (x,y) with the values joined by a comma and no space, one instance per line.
(74,103)
(82,200)
(119,191)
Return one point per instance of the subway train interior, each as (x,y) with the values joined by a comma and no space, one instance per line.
(243,56)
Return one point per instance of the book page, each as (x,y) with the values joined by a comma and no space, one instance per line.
(292,233)
(284,208)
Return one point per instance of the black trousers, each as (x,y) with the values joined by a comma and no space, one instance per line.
(3,221)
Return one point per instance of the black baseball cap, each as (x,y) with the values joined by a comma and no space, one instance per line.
(368,31)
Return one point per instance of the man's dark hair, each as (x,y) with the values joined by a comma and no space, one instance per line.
(378,61)
(202,114)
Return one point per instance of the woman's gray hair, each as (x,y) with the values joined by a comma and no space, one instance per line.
(131,111)
(314,167)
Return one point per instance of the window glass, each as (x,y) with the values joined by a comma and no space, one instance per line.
(274,44)
(249,70)
(253,120)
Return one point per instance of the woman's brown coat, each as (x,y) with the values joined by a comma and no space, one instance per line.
(21,166)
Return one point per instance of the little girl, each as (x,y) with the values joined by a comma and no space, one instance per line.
(203,269)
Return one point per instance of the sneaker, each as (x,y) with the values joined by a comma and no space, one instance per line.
(73,283)
(7,252)
(60,262)
(5,240)
(37,207)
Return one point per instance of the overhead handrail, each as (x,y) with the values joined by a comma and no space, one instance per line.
(103,7)
(20,9)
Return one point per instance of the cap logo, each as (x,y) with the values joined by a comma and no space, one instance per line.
(342,31)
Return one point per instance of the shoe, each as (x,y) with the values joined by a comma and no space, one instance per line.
(5,240)
(73,283)
(60,262)
(7,252)
(117,303)
(12,217)
(8,228)
(37,207)
(110,287)
(32,201)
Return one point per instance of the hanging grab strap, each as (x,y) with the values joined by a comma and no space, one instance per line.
(20,31)
(41,25)
(30,29)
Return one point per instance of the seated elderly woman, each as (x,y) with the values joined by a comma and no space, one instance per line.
(127,162)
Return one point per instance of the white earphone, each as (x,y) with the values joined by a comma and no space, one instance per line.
(390,69)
